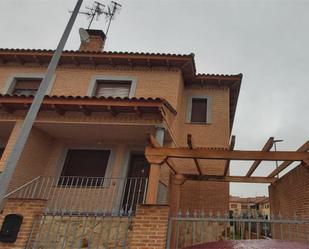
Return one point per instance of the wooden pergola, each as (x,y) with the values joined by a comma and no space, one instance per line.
(190,163)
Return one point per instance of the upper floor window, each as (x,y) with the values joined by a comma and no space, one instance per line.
(233,205)
(112,86)
(26,86)
(199,109)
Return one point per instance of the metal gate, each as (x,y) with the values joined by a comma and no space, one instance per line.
(66,232)
(197,228)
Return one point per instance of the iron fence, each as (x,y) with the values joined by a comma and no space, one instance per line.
(190,229)
(85,195)
(52,231)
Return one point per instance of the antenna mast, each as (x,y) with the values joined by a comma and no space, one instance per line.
(98,9)
(95,11)
(110,13)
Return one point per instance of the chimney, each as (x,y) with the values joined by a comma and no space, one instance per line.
(92,40)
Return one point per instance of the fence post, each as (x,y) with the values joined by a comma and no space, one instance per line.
(29,209)
(149,227)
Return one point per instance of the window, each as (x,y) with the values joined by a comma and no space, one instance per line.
(244,206)
(233,205)
(112,88)
(198,110)
(80,164)
(24,86)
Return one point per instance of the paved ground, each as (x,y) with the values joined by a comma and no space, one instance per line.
(252,244)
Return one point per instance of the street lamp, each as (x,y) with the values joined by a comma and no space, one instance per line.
(275,147)
(25,129)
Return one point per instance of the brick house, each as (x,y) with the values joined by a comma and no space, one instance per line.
(85,153)
(247,206)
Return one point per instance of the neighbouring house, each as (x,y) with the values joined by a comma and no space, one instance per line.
(249,206)
(84,157)
(262,207)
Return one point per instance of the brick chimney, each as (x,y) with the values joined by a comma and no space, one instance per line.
(96,40)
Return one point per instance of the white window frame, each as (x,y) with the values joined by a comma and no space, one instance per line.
(11,81)
(189,109)
(94,80)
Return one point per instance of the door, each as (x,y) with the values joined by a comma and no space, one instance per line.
(136,182)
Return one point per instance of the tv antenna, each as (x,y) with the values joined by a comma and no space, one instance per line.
(95,11)
(98,9)
(112,9)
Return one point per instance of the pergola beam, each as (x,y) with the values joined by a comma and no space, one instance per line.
(155,144)
(190,146)
(269,144)
(171,166)
(285,164)
(227,163)
(243,179)
(160,154)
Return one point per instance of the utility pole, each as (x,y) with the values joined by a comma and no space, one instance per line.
(22,136)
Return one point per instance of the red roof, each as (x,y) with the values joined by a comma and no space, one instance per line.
(86,104)
(257,199)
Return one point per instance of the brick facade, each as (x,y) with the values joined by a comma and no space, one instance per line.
(50,137)
(9,145)
(167,84)
(149,227)
(289,196)
(29,209)
(208,196)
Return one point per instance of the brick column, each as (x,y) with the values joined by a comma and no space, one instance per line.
(29,209)
(149,227)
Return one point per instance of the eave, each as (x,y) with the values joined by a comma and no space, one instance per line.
(87,105)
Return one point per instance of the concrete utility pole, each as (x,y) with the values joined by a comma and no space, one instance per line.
(25,129)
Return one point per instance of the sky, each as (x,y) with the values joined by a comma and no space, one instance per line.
(266,40)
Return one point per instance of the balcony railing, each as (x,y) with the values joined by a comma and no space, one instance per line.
(85,195)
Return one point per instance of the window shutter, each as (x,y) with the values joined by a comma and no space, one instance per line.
(84,163)
(90,163)
(199,110)
(26,86)
(113,90)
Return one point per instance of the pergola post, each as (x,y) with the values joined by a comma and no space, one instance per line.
(155,170)
(174,201)
(174,192)
(153,184)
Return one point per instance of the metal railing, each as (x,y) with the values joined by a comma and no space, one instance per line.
(190,229)
(85,195)
(75,231)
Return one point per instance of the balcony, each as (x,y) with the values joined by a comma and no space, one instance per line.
(76,195)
